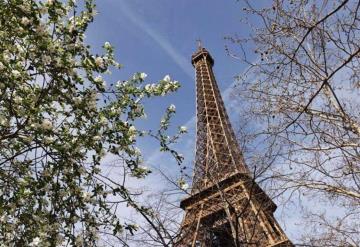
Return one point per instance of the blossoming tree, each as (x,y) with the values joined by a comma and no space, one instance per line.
(58,118)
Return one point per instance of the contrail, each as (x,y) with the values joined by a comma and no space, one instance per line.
(179,59)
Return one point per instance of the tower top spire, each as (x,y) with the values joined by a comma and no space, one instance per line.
(201,53)
(199,43)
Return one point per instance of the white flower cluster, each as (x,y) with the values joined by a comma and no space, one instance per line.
(107,45)
(183,129)
(132,133)
(49,139)
(16,73)
(137,151)
(91,100)
(140,171)
(182,184)
(3,121)
(99,61)
(172,108)
(96,138)
(35,242)
(47,124)
(163,87)
(77,100)
(140,76)
(167,78)
(25,21)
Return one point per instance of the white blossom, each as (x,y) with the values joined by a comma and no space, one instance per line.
(20,48)
(135,76)
(46,124)
(43,10)
(77,100)
(184,186)
(28,138)
(17,99)
(167,78)
(132,133)
(96,138)
(25,21)
(86,195)
(99,79)
(183,129)
(172,108)
(48,139)
(144,168)
(107,45)
(92,104)
(40,29)
(27,191)
(59,12)
(103,84)
(46,59)
(132,129)
(4,218)
(99,61)
(6,56)
(2,66)
(113,110)
(147,87)
(16,73)
(3,120)
(25,7)
(79,241)
(137,151)
(143,76)
(167,87)
(118,84)
(35,242)
(103,121)
(22,181)
(162,122)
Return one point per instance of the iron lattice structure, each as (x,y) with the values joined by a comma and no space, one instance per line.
(226,207)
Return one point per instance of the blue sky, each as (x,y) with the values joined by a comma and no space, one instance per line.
(158,37)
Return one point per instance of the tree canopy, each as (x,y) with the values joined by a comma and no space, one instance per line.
(301,98)
(58,118)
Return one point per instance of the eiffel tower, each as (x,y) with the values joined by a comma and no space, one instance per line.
(226,207)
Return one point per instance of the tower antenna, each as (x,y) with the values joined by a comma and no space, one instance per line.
(199,43)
